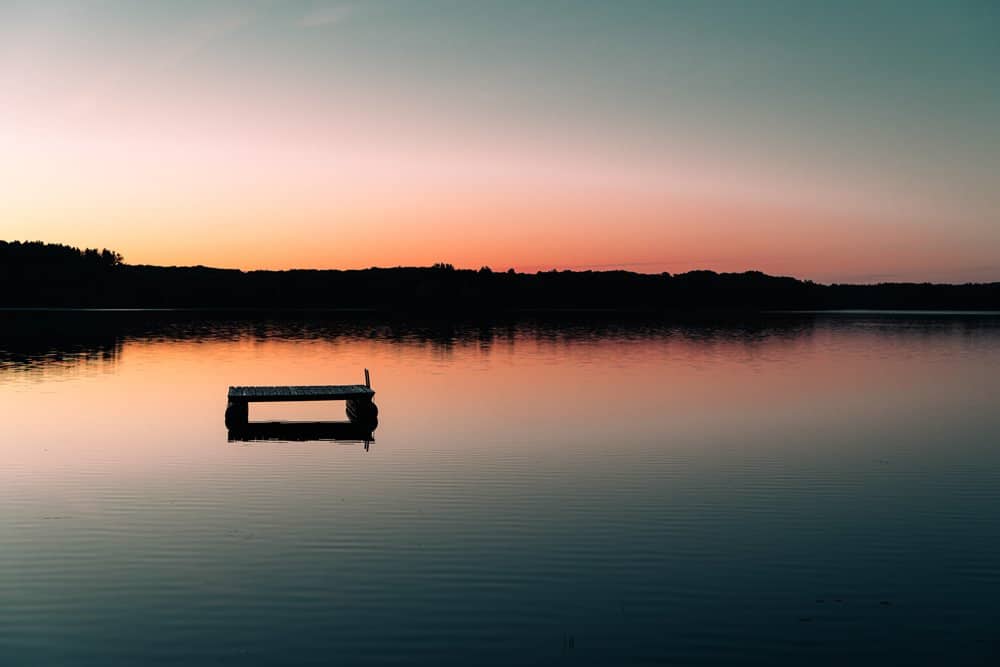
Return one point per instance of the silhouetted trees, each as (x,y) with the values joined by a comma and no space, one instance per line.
(55,255)
(34,273)
(39,274)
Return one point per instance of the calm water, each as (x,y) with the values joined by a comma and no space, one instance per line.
(805,490)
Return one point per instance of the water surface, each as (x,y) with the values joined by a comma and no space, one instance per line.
(798,489)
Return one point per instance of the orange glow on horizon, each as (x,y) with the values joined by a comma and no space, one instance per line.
(529,232)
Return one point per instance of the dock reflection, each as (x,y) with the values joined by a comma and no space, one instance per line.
(329,431)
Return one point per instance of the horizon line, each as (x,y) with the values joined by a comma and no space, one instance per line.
(534,269)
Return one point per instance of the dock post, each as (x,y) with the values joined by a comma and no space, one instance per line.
(237,414)
(368,380)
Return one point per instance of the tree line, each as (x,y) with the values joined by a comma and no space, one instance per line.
(40,274)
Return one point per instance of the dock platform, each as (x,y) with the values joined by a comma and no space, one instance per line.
(333,392)
(360,406)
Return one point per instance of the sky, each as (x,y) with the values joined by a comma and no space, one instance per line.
(847,141)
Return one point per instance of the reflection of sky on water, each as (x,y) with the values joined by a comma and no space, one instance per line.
(816,489)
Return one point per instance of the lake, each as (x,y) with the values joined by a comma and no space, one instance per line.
(790,489)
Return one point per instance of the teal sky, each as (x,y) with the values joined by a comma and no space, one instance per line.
(836,141)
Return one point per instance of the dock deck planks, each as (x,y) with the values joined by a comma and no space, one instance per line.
(347,392)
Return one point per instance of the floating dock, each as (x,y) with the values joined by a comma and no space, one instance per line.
(360,406)
(335,392)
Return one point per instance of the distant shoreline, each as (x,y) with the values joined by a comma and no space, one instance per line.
(39,275)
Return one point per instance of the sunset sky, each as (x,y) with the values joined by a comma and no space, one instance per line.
(838,141)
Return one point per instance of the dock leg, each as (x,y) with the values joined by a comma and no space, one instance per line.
(237,414)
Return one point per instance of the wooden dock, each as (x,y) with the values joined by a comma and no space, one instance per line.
(334,392)
(360,406)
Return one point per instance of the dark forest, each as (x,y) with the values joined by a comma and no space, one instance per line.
(35,274)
